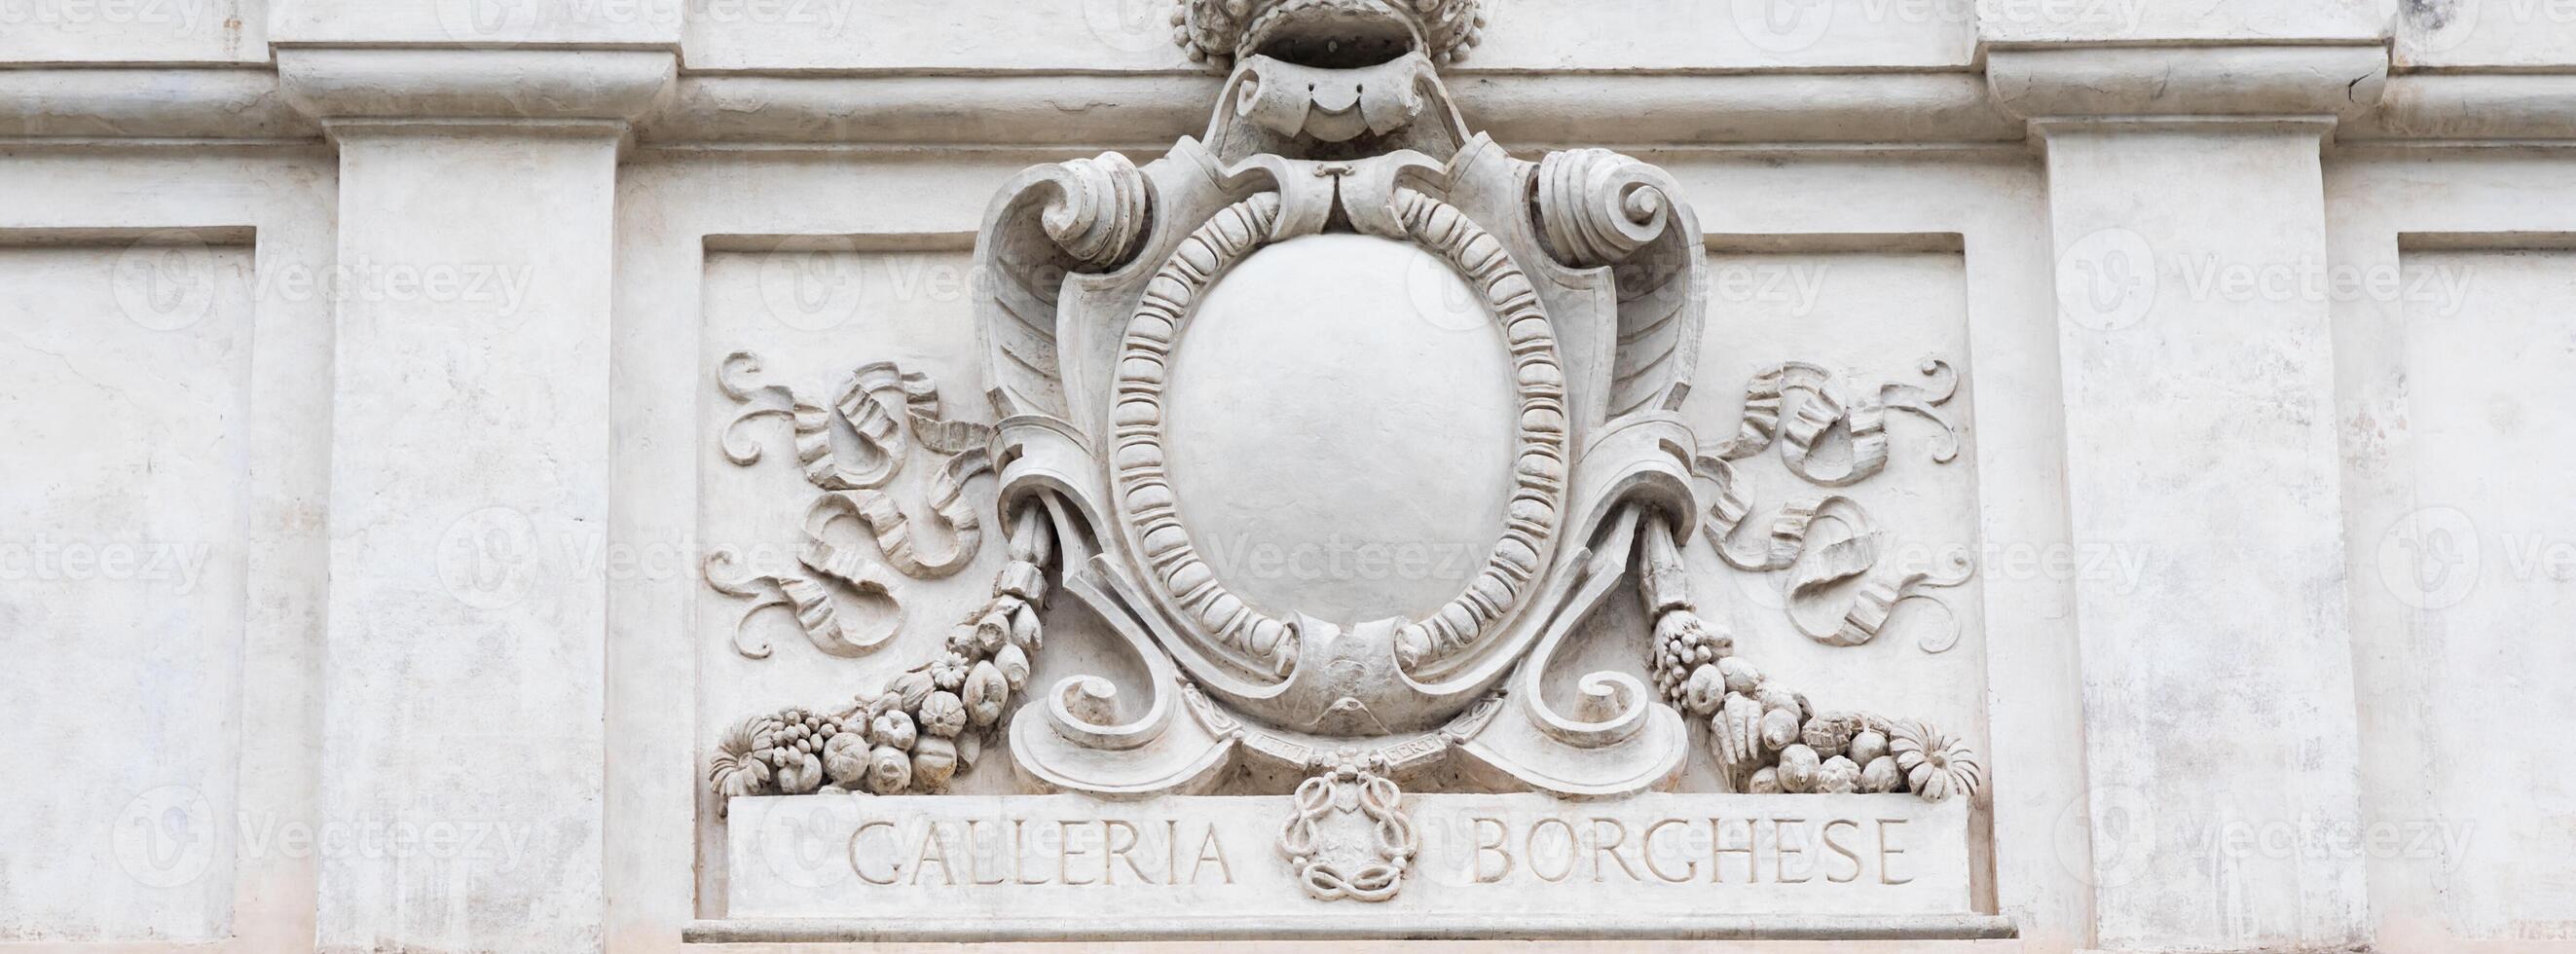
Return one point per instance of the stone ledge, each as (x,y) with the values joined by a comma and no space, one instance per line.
(101,106)
(1480,865)
(148,102)
(1534,927)
(1521,110)
(2470,106)
(343,84)
(2236,80)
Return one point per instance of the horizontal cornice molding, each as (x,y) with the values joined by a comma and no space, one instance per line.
(2212,80)
(554,88)
(84,102)
(2470,106)
(465,89)
(1520,109)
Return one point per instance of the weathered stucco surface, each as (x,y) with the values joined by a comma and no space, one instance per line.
(373,422)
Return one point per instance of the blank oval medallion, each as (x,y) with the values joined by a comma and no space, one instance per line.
(1340,441)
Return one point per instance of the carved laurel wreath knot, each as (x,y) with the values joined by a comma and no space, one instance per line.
(1350,787)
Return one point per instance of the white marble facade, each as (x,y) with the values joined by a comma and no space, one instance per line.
(633,475)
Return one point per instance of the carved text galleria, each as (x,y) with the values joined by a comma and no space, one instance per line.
(1464,849)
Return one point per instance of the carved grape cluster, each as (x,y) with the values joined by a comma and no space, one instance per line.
(1685,645)
(774,754)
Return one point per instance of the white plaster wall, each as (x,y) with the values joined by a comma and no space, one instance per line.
(1091,36)
(2460,573)
(2482,573)
(475,24)
(167,352)
(2493,33)
(123,589)
(134,31)
(2035,21)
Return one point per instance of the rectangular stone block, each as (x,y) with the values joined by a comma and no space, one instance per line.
(1490,864)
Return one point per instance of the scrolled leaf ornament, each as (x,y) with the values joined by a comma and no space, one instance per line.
(1792,541)
(878,429)
(1834,405)
(1337,149)
(817,611)
(892,531)
(890,429)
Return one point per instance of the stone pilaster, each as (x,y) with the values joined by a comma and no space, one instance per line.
(2186,207)
(464,658)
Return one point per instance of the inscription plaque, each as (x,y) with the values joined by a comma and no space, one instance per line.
(1091,864)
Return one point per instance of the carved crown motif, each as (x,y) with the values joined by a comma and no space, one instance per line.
(1328,32)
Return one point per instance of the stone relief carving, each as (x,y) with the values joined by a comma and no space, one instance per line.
(1332,860)
(1218,32)
(1834,405)
(929,723)
(1837,405)
(862,408)
(1334,149)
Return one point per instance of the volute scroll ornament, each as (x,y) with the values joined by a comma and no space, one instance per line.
(1335,157)
(1599,207)
(1099,209)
